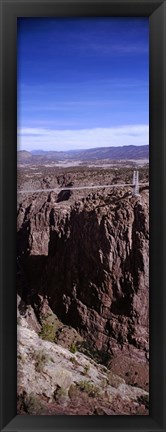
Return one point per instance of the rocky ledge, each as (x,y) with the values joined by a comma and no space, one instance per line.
(53,381)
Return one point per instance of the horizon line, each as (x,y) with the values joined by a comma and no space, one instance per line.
(83,149)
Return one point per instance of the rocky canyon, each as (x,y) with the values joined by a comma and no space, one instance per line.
(83,291)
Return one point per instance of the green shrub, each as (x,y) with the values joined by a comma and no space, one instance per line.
(73,348)
(47,332)
(90,388)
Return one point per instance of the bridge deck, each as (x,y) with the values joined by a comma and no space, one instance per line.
(79,188)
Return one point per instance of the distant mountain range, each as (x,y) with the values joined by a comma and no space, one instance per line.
(100,153)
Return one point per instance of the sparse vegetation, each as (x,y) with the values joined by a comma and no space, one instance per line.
(114,380)
(41,358)
(33,404)
(100,357)
(73,348)
(90,388)
(60,394)
(47,332)
(104,383)
(86,369)
(73,360)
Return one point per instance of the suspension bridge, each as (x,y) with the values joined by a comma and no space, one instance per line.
(135,186)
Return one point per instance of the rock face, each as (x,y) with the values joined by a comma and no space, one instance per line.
(89,258)
(51,380)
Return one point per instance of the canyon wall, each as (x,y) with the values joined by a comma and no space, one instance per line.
(90,259)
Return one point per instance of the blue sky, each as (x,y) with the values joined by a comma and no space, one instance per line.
(82,82)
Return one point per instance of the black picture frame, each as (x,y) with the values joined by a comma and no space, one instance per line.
(9,11)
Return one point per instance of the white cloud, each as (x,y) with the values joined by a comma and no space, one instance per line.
(49,139)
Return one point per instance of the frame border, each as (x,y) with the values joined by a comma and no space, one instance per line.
(9,11)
